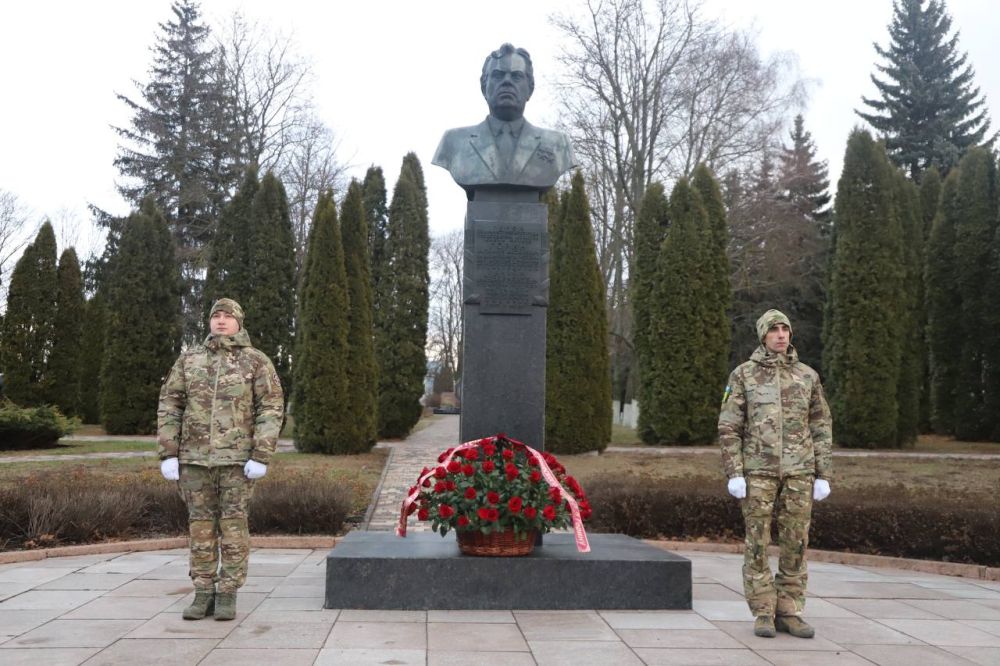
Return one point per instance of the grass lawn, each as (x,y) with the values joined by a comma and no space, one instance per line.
(71,446)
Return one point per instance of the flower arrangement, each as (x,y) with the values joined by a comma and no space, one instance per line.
(495,485)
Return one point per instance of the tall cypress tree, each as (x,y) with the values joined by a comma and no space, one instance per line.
(577,370)
(322,423)
(29,323)
(929,111)
(863,353)
(270,299)
(65,361)
(910,383)
(401,359)
(930,195)
(361,372)
(229,261)
(144,323)
(91,354)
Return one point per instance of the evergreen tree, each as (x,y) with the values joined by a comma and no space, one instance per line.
(91,354)
(361,373)
(930,194)
(377,216)
(402,362)
(229,260)
(929,111)
(29,323)
(143,323)
(943,297)
(270,296)
(911,311)
(974,231)
(577,370)
(65,362)
(322,422)
(866,285)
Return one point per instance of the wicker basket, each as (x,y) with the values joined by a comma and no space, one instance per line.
(496,544)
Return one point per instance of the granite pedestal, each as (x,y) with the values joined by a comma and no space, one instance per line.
(424,571)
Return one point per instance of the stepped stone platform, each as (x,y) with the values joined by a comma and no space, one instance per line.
(424,571)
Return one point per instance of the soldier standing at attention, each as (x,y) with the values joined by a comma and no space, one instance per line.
(220,412)
(777,437)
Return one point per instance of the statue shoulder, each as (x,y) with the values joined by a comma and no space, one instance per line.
(558,143)
(452,141)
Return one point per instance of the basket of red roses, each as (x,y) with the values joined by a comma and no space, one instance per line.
(497,494)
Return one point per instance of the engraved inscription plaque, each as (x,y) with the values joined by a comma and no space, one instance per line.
(506,248)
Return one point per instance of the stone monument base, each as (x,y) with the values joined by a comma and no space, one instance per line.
(424,571)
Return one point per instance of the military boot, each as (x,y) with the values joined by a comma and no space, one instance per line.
(763,626)
(203,604)
(225,606)
(794,625)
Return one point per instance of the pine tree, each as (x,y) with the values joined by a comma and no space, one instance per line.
(943,299)
(866,286)
(143,324)
(577,370)
(930,194)
(929,112)
(361,373)
(229,258)
(974,232)
(91,354)
(29,323)
(910,383)
(65,362)
(270,297)
(402,362)
(322,423)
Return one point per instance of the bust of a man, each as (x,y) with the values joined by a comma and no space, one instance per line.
(505,149)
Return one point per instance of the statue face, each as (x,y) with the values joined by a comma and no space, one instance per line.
(507,88)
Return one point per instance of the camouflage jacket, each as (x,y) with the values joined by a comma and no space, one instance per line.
(775,420)
(221,404)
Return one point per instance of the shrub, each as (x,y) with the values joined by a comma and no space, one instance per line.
(32,427)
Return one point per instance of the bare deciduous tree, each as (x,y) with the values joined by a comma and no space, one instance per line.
(14,234)
(444,331)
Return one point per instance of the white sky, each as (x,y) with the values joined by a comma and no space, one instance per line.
(391,76)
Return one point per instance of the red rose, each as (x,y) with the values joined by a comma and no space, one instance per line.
(484,513)
(439,487)
(463,521)
(472,454)
(530,512)
(492,497)
(446,511)
(426,483)
(410,509)
(468,470)
(442,457)
(574,485)
(449,485)
(484,441)
(488,466)
(489,450)
(536,476)
(494,515)
(454,467)
(549,513)
(440,472)
(412,490)
(585,510)
(470,493)
(532,460)
(511,470)
(555,495)
(508,454)
(423,513)
(515,504)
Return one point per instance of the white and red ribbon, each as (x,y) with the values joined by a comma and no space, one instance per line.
(579,534)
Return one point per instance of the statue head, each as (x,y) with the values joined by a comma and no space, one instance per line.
(507,82)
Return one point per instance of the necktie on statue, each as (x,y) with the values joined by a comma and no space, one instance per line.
(505,147)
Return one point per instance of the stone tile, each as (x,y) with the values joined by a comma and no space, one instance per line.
(974,592)
(80,581)
(290,634)
(732,611)
(366,657)
(152,588)
(348,615)
(565,625)
(848,590)
(285,657)
(476,616)
(656,620)
(261,584)
(715,592)
(121,608)
(165,651)
(945,633)
(172,571)
(812,658)
(270,570)
(885,608)
(289,604)
(172,625)
(958,609)
(378,635)
(73,633)
(894,655)
(699,657)
(33,576)
(8,590)
(14,622)
(49,599)
(983,656)
(989,626)
(583,653)
(315,591)
(816,608)
(304,617)
(861,630)
(47,656)
(127,564)
(677,638)
(743,632)
(475,637)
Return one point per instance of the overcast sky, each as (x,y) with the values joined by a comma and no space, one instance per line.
(390,77)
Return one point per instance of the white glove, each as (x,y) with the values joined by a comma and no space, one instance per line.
(738,487)
(170,469)
(821,490)
(254,470)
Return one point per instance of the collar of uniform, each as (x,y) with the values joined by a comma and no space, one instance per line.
(497,126)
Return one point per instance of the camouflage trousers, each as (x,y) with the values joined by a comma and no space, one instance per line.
(217,499)
(784,594)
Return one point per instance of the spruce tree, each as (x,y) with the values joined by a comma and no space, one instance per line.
(930,194)
(91,354)
(29,323)
(143,324)
(361,372)
(974,231)
(229,260)
(866,285)
(928,111)
(910,383)
(65,362)
(577,369)
(943,297)
(320,404)
(401,359)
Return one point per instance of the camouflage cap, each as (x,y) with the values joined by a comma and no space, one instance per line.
(769,319)
(230,306)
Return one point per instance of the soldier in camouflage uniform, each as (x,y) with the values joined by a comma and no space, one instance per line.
(220,412)
(776,435)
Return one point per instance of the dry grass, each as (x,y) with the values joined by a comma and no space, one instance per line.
(77,447)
